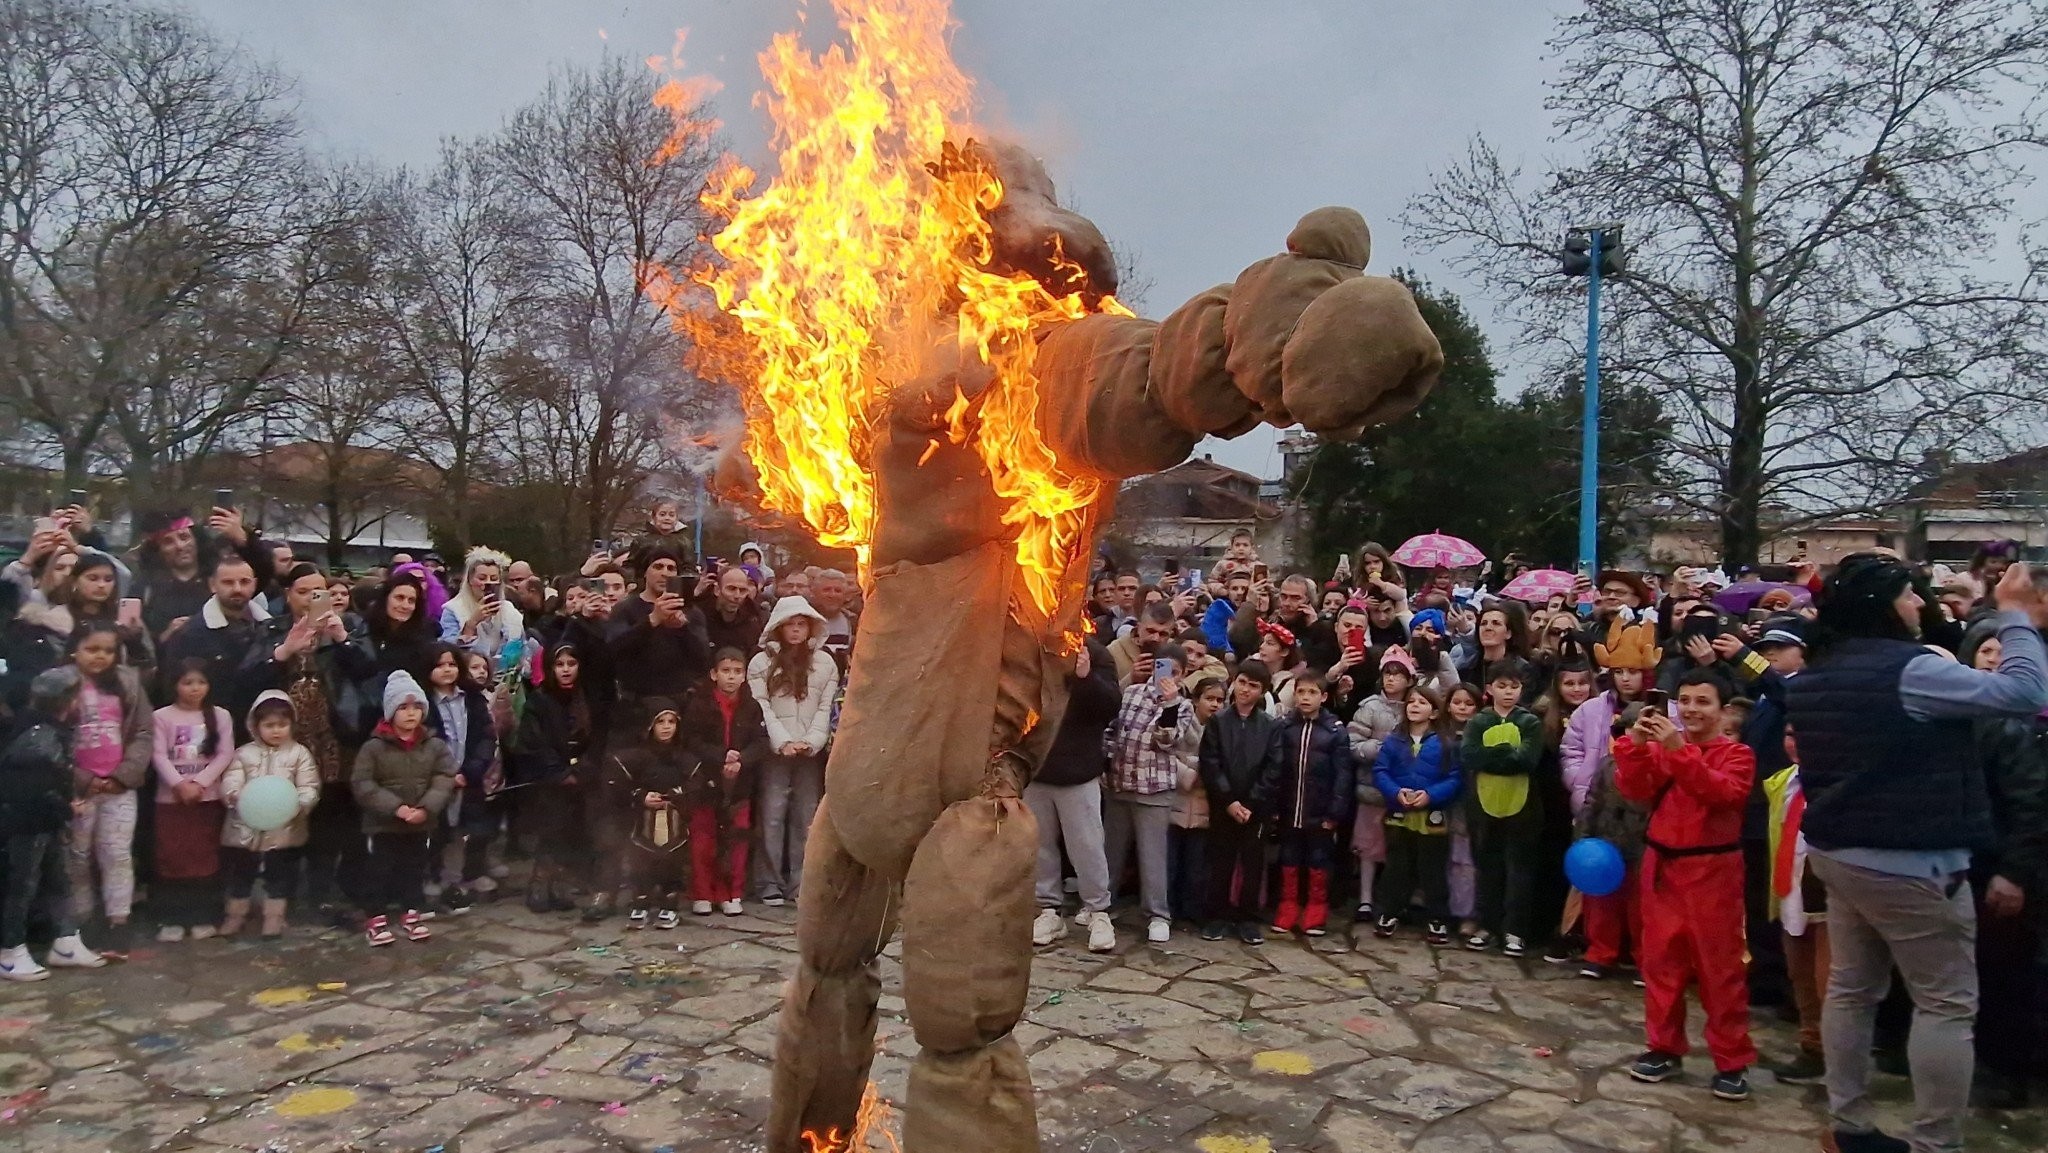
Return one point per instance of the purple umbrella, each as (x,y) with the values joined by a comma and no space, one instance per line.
(1742,597)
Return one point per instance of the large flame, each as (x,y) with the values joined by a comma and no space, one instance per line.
(872,1132)
(870,242)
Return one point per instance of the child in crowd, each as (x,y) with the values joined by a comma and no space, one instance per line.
(1378,717)
(37,802)
(1499,754)
(460,714)
(728,741)
(1233,756)
(560,743)
(1187,837)
(1695,782)
(1461,704)
(1416,774)
(195,743)
(404,777)
(1571,685)
(1801,904)
(1309,787)
(1614,922)
(1143,777)
(647,787)
(272,854)
(112,738)
(794,680)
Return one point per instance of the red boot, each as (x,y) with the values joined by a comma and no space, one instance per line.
(1289,914)
(1317,914)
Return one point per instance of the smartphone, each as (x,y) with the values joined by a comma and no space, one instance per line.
(593,585)
(130,613)
(1190,580)
(493,591)
(223,498)
(1354,638)
(1657,699)
(78,497)
(1164,670)
(322,602)
(1261,573)
(598,546)
(1702,626)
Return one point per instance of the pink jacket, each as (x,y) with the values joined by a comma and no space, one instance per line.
(1588,747)
(164,756)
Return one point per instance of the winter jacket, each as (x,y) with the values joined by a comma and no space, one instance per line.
(1377,719)
(338,667)
(805,720)
(547,750)
(1125,652)
(391,771)
(35,778)
(1499,756)
(1310,778)
(2014,756)
(1077,755)
(1216,623)
(138,725)
(658,660)
(479,749)
(1587,749)
(1431,766)
(650,769)
(1695,793)
(1190,803)
(292,762)
(1233,758)
(705,734)
(223,644)
(33,641)
(1141,759)
(742,632)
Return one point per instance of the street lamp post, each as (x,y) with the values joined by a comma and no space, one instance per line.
(1593,253)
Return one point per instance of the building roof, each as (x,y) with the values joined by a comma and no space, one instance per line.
(2021,478)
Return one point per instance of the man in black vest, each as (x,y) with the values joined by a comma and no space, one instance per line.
(1895,804)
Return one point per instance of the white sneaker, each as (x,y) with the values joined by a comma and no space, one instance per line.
(1101,934)
(71,953)
(433,890)
(1048,927)
(731,908)
(1159,930)
(201,932)
(170,934)
(701,908)
(483,884)
(772,902)
(17,964)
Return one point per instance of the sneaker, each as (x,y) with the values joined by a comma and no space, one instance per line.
(485,886)
(201,933)
(1047,927)
(170,934)
(1386,925)
(455,900)
(1653,1067)
(1805,1069)
(1558,952)
(1158,931)
(596,911)
(1638,981)
(499,871)
(701,908)
(1871,1142)
(637,919)
(433,890)
(414,926)
(1480,941)
(1101,934)
(731,908)
(772,902)
(71,953)
(1512,947)
(1212,931)
(1251,933)
(1439,933)
(1364,913)
(1731,1085)
(1593,971)
(18,964)
(377,931)
(667,919)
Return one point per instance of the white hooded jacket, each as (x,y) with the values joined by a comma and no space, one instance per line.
(792,720)
(292,761)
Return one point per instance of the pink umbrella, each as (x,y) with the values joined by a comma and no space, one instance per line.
(1539,585)
(1436,550)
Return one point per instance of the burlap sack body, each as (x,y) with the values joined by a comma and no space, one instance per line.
(967,909)
(846,912)
(824,1046)
(974,1102)
(1189,378)
(1095,408)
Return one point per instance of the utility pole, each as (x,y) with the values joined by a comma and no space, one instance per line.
(1593,253)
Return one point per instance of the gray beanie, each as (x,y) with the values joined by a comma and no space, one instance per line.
(400,688)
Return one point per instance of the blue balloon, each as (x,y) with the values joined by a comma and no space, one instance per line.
(1594,866)
(267,804)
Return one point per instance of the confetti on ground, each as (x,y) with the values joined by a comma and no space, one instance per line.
(316,1102)
(1285,1062)
(304,1043)
(285,995)
(1221,1144)
(1545,1051)
(615,1108)
(1054,999)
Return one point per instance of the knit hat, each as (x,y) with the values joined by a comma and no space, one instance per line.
(399,688)
(1629,646)
(1397,657)
(1857,599)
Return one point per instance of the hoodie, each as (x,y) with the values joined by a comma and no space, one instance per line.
(805,720)
(652,769)
(290,761)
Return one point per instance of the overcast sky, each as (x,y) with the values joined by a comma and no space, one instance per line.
(1194,132)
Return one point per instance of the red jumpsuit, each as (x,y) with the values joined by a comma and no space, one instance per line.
(1691,890)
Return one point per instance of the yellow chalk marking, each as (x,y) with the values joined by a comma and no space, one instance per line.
(342,986)
(304,1043)
(1234,1145)
(1285,1062)
(316,1102)
(287,995)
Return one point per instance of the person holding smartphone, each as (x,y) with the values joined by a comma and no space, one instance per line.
(1142,778)
(479,618)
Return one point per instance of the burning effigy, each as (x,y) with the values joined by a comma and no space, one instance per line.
(936,373)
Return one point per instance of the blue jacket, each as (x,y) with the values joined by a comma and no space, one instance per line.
(1216,625)
(1433,768)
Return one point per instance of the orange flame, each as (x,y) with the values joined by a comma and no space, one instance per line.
(835,279)
(871,1133)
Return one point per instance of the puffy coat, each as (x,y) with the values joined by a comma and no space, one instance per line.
(1310,777)
(2014,756)
(391,772)
(35,778)
(1695,793)
(1233,757)
(291,761)
(1377,719)
(1431,767)
(1190,802)
(805,720)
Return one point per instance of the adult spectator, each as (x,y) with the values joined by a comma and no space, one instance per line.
(1616,593)
(1991,560)
(658,640)
(1102,606)
(795,583)
(734,617)
(221,632)
(304,653)
(1129,602)
(1132,652)
(1066,798)
(831,595)
(479,618)
(174,564)
(37,635)
(1387,614)
(95,593)
(1297,612)
(1501,633)
(1896,804)
(394,632)
(282,561)
(528,593)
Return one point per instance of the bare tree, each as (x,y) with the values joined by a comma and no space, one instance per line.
(611,183)
(1810,188)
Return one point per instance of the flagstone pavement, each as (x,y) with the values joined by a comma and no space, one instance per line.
(511,1031)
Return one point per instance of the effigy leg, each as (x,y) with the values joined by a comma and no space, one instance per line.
(967,909)
(825,1037)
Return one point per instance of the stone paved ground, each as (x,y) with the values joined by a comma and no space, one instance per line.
(516,1032)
